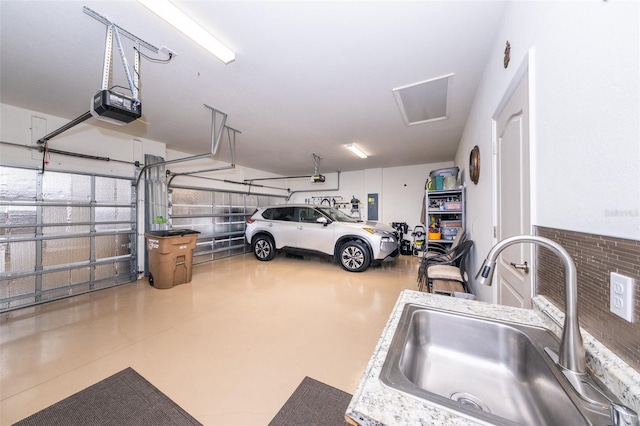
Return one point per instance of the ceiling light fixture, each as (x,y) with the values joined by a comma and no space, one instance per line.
(356,150)
(174,16)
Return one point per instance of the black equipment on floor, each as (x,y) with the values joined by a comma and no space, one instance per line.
(405,245)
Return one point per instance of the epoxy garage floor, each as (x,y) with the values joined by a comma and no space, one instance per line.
(229,347)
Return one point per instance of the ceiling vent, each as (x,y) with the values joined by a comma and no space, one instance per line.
(424,101)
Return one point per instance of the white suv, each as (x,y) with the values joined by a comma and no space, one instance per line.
(354,244)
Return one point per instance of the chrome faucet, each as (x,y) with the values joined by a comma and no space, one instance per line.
(571,355)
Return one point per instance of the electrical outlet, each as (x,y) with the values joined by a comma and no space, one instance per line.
(621,300)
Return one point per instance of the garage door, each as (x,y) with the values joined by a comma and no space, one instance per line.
(219,216)
(63,234)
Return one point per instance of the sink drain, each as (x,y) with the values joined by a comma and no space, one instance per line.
(470,401)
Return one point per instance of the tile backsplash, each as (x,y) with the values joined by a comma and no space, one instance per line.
(596,256)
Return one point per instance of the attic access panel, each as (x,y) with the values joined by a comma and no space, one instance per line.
(425,101)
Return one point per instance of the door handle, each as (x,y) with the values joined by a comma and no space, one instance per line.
(300,227)
(270,225)
(524,266)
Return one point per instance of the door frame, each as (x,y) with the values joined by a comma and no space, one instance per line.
(526,69)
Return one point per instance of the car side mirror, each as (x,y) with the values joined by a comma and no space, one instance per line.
(323,220)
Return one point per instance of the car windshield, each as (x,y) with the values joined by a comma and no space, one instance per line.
(337,215)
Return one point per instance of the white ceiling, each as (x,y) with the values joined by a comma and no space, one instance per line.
(309,76)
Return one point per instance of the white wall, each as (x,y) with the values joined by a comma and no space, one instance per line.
(585,112)
(346,185)
(588,130)
(16,127)
(400,190)
(403,189)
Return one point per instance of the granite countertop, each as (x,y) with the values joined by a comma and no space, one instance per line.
(375,404)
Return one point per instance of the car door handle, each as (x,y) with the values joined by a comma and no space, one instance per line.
(524,266)
(270,225)
(300,227)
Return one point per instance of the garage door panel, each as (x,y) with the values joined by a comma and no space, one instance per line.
(65,250)
(17,292)
(63,234)
(18,256)
(219,216)
(65,214)
(113,245)
(66,187)
(17,184)
(66,279)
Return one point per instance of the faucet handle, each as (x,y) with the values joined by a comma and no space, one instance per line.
(621,415)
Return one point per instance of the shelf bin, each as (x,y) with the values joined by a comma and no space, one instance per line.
(170,256)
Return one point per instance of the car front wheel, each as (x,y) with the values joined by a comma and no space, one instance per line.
(354,256)
(263,248)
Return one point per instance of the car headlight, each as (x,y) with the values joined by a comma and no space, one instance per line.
(386,238)
(377,231)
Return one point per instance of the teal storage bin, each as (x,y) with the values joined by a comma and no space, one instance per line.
(439,182)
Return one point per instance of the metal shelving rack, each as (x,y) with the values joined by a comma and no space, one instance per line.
(441,205)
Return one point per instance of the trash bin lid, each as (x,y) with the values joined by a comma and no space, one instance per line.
(172,233)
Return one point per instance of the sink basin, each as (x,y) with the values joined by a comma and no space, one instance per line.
(491,370)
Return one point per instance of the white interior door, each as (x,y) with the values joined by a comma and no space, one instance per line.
(513,277)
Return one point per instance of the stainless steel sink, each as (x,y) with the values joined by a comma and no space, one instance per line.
(491,370)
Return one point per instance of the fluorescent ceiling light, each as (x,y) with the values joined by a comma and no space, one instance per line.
(356,150)
(174,16)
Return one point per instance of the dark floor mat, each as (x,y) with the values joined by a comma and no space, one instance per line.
(313,403)
(124,399)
